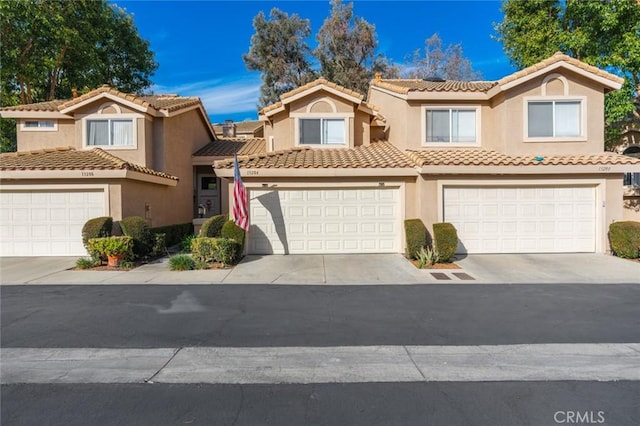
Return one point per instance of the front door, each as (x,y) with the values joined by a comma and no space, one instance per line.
(208,195)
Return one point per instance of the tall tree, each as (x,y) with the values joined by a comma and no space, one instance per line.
(449,63)
(347,49)
(279,51)
(602,33)
(51,46)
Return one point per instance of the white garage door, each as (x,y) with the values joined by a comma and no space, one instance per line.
(295,221)
(522,219)
(46,223)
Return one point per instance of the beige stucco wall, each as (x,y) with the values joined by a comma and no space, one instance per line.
(502,117)
(31,140)
(631,205)
(515,109)
(395,111)
(282,126)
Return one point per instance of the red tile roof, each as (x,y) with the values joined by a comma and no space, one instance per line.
(376,155)
(404,86)
(69,159)
(481,157)
(168,103)
(228,147)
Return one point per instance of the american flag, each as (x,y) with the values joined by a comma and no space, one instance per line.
(240,198)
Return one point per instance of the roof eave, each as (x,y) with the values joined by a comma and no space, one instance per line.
(85,174)
(417,95)
(34,114)
(109,96)
(606,82)
(304,172)
(538,169)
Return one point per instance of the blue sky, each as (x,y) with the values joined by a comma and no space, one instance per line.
(199,44)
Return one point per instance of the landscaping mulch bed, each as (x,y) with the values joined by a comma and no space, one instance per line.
(437,265)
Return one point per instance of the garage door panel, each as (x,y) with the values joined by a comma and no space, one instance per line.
(47,222)
(325,221)
(531,219)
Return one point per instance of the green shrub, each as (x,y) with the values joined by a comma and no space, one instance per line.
(212,227)
(101,248)
(175,233)
(181,262)
(96,228)
(159,244)
(228,251)
(87,263)
(416,236)
(624,238)
(203,249)
(232,231)
(223,250)
(445,239)
(137,228)
(185,244)
(427,257)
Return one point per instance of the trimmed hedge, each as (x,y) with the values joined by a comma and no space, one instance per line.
(416,236)
(445,239)
(136,227)
(234,232)
(209,249)
(101,248)
(212,227)
(174,233)
(97,227)
(624,238)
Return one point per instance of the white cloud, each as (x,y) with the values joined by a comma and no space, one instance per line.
(221,95)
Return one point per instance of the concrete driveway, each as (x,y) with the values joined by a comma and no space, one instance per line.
(19,270)
(368,269)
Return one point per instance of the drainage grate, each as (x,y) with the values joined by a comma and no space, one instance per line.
(440,276)
(463,276)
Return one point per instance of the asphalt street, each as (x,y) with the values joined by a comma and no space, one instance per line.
(260,316)
(410,404)
(197,334)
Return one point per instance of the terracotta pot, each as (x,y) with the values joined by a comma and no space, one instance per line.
(115,260)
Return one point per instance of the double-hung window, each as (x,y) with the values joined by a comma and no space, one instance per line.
(554,119)
(110,132)
(322,131)
(451,125)
(39,125)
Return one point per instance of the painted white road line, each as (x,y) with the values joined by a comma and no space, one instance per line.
(344,364)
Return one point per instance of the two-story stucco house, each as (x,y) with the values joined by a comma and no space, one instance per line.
(517,165)
(103,153)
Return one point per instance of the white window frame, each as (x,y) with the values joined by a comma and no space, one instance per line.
(583,118)
(93,117)
(324,116)
(450,144)
(24,128)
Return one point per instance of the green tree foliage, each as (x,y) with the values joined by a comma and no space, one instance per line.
(279,51)
(52,46)
(601,33)
(434,61)
(347,49)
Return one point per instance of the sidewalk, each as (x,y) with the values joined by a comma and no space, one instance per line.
(360,269)
(340,364)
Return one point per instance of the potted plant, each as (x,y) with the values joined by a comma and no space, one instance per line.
(114,249)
